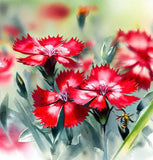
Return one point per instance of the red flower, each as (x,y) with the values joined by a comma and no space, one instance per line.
(104,83)
(135,57)
(11,30)
(6,62)
(48,104)
(41,50)
(54,11)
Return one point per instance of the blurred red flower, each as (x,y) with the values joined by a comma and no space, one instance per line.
(90,43)
(41,50)
(86,63)
(104,83)
(6,62)
(134,57)
(54,11)
(48,104)
(10,142)
(11,30)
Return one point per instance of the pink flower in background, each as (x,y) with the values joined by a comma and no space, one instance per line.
(54,11)
(48,104)
(134,57)
(51,48)
(6,63)
(89,44)
(104,83)
(10,142)
(85,63)
(11,30)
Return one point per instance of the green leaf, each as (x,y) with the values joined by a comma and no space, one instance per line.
(69,133)
(108,52)
(141,123)
(145,102)
(4,112)
(26,136)
(57,131)
(22,89)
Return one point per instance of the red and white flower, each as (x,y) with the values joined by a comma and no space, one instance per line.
(134,57)
(104,83)
(41,50)
(6,63)
(48,104)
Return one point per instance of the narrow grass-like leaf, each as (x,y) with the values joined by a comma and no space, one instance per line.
(4,112)
(141,123)
(22,89)
(56,131)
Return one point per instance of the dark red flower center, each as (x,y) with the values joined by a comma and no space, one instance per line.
(63,96)
(103,90)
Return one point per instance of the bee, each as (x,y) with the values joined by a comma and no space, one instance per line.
(124,119)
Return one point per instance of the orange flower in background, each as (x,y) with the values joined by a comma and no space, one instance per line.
(54,11)
(83,12)
(134,57)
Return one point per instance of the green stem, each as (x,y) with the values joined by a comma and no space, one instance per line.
(141,123)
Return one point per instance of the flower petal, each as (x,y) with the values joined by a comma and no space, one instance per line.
(137,40)
(66,62)
(90,84)
(125,86)
(27,45)
(74,114)
(74,47)
(49,114)
(141,75)
(120,100)
(124,58)
(98,103)
(54,41)
(43,97)
(69,79)
(34,60)
(102,75)
(80,96)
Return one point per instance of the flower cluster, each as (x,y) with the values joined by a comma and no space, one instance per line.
(76,93)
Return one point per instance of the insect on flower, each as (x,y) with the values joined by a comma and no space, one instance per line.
(124,119)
